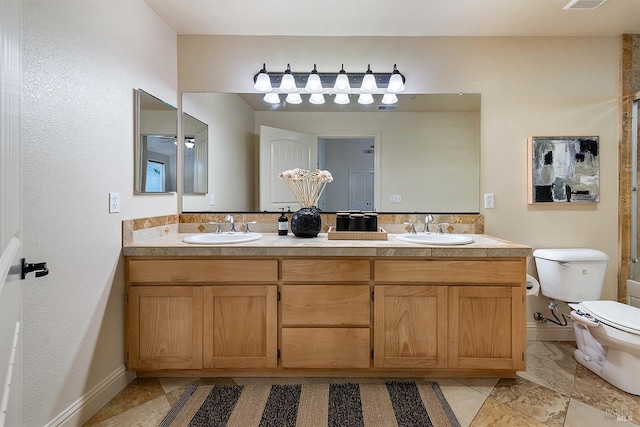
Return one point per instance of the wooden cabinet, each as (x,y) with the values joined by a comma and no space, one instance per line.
(240,327)
(201,313)
(410,324)
(164,329)
(458,314)
(486,327)
(326,314)
(379,316)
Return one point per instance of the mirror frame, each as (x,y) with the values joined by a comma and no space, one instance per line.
(139,167)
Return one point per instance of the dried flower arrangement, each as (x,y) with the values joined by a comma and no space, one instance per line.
(306,186)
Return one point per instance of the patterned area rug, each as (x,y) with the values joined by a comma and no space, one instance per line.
(402,404)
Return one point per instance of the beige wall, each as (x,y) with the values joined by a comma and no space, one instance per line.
(231,174)
(430,159)
(529,86)
(82,62)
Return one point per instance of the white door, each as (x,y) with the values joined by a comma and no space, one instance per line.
(282,150)
(10,215)
(361,189)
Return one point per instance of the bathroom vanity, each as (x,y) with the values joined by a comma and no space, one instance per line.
(283,306)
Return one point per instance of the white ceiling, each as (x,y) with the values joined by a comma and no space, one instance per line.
(397,17)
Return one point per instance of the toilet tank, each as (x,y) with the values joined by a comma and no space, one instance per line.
(571,275)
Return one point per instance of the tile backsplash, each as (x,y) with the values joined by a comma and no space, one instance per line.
(135,230)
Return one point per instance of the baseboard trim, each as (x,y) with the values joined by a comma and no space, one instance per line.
(537,331)
(91,402)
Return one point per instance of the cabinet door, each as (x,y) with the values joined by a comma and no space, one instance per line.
(165,327)
(240,326)
(487,327)
(410,326)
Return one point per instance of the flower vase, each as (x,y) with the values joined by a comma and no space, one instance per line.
(306,222)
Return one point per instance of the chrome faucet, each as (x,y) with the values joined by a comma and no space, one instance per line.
(229,218)
(413,227)
(218,228)
(427,220)
(246,226)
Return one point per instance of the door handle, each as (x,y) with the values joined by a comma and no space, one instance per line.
(40,268)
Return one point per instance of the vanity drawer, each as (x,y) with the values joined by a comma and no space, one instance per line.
(326,270)
(327,305)
(202,270)
(450,271)
(326,348)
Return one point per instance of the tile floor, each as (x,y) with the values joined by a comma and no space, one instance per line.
(554,391)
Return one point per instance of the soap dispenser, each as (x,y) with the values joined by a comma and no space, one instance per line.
(283,224)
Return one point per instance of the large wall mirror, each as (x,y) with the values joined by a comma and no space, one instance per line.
(155,145)
(421,155)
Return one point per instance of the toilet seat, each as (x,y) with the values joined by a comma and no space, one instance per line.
(615,314)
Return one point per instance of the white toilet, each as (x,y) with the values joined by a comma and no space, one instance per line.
(607,332)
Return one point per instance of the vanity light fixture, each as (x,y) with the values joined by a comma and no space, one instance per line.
(262,80)
(389,98)
(365,99)
(369,82)
(318,84)
(341,98)
(272,98)
(396,81)
(342,82)
(316,98)
(288,83)
(293,98)
(314,85)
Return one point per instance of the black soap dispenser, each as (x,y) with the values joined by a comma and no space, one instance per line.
(283,224)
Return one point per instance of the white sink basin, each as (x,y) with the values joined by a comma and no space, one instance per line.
(221,238)
(436,239)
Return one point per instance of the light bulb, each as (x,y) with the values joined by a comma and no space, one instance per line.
(271,98)
(314,85)
(288,83)
(368,82)
(396,81)
(365,99)
(263,81)
(293,98)
(316,98)
(342,82)
(389,98)
(341,98)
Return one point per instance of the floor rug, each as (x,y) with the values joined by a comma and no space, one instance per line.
(394,403)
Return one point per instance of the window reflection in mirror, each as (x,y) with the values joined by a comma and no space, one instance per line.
(195,149)
(156,145)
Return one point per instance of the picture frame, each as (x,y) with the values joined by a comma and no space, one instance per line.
(563,169)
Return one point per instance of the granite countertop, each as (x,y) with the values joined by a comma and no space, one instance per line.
(273,245)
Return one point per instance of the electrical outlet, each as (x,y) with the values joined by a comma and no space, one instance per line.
(114,202)
(489,201)
(213,199)
(396,198)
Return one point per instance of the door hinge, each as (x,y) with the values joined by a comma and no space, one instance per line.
(371,354)
(522,356)
(372,296)
(278,354)
(278,295)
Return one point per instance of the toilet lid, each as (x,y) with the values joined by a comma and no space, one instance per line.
(616,314)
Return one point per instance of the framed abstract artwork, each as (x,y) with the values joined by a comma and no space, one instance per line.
(563,169)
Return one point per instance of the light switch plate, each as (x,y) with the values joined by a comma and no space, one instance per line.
(489,201)
(114,202)
(396,198)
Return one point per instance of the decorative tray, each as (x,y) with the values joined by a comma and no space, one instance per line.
(381,234)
